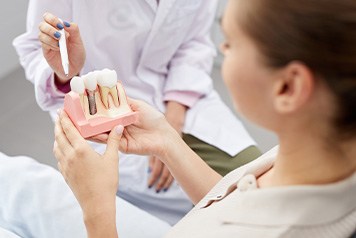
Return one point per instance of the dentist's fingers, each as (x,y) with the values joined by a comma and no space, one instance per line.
(53,20)
(48,42)
(151,163)
(73,30)
(156,171)
(165,180)
(168,183)
(46,49)
(49,30)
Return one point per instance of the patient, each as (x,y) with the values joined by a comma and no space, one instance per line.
(290,67)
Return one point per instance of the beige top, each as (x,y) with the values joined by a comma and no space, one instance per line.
(235,207)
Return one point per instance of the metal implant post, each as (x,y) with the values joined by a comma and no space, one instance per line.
(90,82)
(92,103)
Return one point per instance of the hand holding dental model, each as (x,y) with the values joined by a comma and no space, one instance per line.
(97,103)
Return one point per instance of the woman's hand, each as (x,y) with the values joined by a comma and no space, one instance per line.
(92,177)
(150,135)
(49,36)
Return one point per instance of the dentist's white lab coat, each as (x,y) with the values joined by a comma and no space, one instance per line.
(155,51)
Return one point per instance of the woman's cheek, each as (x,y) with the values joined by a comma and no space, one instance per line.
(227,73)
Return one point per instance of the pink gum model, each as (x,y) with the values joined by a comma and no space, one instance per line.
(76,106)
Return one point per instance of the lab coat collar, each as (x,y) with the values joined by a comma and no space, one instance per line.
(153,4)
(295,205)
(164,8)
(161,14)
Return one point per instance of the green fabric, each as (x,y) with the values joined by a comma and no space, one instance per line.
(217,159)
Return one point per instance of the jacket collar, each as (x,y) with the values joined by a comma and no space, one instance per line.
(295,205)
(229,182)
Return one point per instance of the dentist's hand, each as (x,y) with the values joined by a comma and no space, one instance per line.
(92,177)
(49,36)
(160,175)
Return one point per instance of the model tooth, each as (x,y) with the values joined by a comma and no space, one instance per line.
(77,85)
(107,80)
(104,92)
(115,96)
(90,81)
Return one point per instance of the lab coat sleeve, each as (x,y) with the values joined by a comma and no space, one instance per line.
(190,67)
(29,49)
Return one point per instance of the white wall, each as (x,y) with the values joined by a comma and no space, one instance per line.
(12,23)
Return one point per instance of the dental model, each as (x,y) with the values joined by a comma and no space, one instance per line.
(90,83)
(107,81)
(95,111)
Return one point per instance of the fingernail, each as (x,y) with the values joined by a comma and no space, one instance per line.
(149,170)
(57,35)
(60,26)
(157,191)
(165,190)
(150,186)
(119,129)
(66,24)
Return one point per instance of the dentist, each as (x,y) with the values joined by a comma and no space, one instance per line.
(163,54)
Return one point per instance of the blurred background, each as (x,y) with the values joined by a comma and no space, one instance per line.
(25,129)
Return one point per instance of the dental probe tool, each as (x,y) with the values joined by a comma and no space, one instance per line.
(77,86)
(63,51)
(90,84)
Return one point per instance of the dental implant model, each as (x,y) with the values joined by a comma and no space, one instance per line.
(90,83)
(94,111)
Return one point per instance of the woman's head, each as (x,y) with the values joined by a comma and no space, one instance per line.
(309,43)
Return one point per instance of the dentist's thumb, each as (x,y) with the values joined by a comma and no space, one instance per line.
(114,141)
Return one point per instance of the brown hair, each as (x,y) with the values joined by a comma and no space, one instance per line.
(319,33)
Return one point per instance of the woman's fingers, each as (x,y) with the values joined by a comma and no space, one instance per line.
(70,131)
(62,146)
(101,138)
(114,141)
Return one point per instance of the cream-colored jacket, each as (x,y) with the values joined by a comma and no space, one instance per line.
(237,208)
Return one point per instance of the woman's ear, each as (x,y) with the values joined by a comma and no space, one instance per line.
(293,88)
